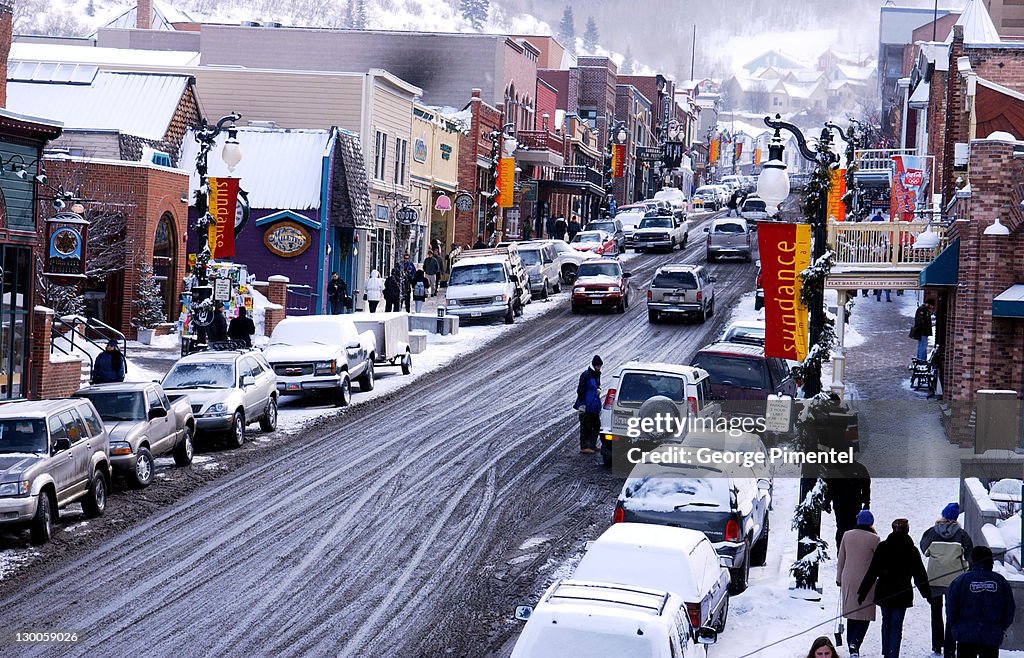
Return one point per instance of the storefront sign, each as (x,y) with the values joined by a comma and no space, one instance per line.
(649,153)
(223,198)
(674,152)
(530,191)
(464,202)
(287,239)
(407,215)
(419,150)
(785,253)
(443,203)
(618,160)
(446,152)
(836,191)
(66,240)
(909,181)
(506,182)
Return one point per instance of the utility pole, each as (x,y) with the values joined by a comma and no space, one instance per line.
(693,50)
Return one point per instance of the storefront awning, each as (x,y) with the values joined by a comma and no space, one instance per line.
(1009,303)
(945,269)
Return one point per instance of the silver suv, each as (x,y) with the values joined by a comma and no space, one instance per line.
(681,290)
(52,453)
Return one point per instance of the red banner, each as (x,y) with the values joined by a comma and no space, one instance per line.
(223,199)
(836,192)
(785,253)
(739,150)
(618,160)
(506,182)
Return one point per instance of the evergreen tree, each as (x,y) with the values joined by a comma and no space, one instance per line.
(359,15)
(628,64)
(567,30)
(90,9)
(590,36)
(475,11)
(149,301)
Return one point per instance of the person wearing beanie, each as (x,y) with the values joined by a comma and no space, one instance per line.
(979,608)
(855,554)
(109,366)
(895,563)
(588,405)
(946,545)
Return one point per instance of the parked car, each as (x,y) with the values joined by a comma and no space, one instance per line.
(742,442)
(661,231)
(142,424)
(321,354)
(600,619)
(676,200)
(541,263)
(733,182)
(227,390)
(729,236)
(743,377)
(707,197)
(596,242)
(601,284)
(679,560)
(681,290)
(754,209)
(758,288)
(52,453)
(678,390)
(630,221)
(566,258)
(750,332)
(612,227)
(728,504)
(484,287)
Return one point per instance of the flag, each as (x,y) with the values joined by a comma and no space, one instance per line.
(223,200)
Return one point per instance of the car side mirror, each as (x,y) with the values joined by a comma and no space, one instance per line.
(626,275)
(157,412)
(707,635)
(711,279)
(355,345)
(548,261)
(248,380)
(707,230)
(523,612)
(61,444)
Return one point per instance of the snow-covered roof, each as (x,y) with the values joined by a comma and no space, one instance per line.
(281,169)
(920,96)
(795,90)
(163,17)
(805,75)
(140,104)
(936,53)
(758,84)
(855,72)
(49,52)
(977,24)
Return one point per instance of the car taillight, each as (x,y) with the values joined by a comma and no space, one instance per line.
(650,295)
(619,515)
(732,530)
(693,612)
(609,399)
(700,295)
(693,405)
(759,279)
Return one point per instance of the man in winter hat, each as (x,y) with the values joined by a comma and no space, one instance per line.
(946,545)
(979,608)
(588,404)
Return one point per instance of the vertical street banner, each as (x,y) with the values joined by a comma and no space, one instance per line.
(757,156)
(836,191)
(618,160)
(785,253)
(739,150)
(223,201)
(713,157)
(909,182)
(506,182)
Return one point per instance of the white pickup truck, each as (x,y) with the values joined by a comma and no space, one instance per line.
(661,231)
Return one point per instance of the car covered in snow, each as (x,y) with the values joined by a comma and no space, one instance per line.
(142,424)
(750,332)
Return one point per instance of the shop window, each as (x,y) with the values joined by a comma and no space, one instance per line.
(165,254)
(15,303)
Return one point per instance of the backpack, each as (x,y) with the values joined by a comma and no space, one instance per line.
(420,290)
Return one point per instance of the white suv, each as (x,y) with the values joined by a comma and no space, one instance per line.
(567,258)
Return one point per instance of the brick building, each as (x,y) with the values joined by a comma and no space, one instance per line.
(634,110)
(475,169)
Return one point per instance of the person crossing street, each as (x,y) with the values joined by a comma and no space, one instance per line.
(588,405)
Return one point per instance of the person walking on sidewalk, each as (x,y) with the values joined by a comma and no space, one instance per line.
(393,291)
(431,269)
(241,327)
(895,563)
(110,365)
(419,289)
(946,545)
(979,607)
(561,228)
(849,491)
(574,227)
(407,271)
(922,329)
(588,405)
(374,291)
(855,554)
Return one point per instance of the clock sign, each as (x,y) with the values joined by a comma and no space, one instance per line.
(287,239)
(66,239)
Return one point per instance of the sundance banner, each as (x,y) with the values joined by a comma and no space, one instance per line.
(836,192)
(223,201)
(785,253)
(618,160)
(506,182)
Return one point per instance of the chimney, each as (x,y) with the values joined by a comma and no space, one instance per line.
(6,21)
(144,15)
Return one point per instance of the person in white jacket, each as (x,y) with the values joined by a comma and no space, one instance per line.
(374,290)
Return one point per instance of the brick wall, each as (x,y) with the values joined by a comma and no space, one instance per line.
(483,119)
(6,28)
(937,120)
(277,293)
(49,379)
(559,81)
(547,103)
(954,123)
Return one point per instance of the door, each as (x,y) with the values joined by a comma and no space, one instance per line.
(62,463)
(250,394)
(81,450)
(161,430)
(266,382)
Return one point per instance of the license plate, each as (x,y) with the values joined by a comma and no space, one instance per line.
(474,314)
(595,301)
(294,387)
(674,298)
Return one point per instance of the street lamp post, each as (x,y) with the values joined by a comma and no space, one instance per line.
(616,137)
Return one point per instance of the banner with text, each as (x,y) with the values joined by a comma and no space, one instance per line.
(618,160)
(506,182)
(223,202)
(713,157)
(785,253)
(909,182)
(836,191)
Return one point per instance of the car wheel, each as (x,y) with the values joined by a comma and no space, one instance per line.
(703,315)
(740,574)
(518,309)
(723,616)
(510,315)
(406,364)
(621,307)
(759,553)
(686,240)
(42,523)
(343,394)
(142,477)
(711,310)
(237,432)
(672,247)
(606,453)
(185,448)
(544,291)
(95,500)
(268,423)
(366,379)
(652,316)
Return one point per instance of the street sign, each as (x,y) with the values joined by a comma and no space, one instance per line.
(779,413)
(649,153)
(464,202)
(406,215)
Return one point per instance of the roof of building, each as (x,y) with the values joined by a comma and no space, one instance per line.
(281,169)
(977,24)
(936,53)
(806,75)
(140,104)
(856,72)
(796,90)
(776,59)
(354,200)
(57,52)
(163,17)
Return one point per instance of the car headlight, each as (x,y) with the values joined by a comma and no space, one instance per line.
(120,448)
(614,289)
(218,408)
(325,367)
(579,290)
(501,299)
(452,302)
(15,488)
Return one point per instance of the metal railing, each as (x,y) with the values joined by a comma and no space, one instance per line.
(301,300)
(540,140)
(877,160)
(577,175)
(882,245)
(77,331)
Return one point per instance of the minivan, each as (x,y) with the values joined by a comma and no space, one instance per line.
(743,377)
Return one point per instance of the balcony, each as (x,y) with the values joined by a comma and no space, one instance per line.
(540,148)
(874,165)
(879,254)
(579,178)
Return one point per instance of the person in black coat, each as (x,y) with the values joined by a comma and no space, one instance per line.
(242,328)
(218,329)
(392,291)
(337,290)
(896,562)
(980,608)
(109,366)
(849,491)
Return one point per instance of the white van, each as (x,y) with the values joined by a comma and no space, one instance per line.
(487,286)
(676,199)
(603,619)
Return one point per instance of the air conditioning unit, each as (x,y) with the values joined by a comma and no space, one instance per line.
(961,154)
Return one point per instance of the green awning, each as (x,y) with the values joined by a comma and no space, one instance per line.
(1009,303)
(944,270)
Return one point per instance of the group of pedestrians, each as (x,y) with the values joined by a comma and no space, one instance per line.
(560,229)
(884,573)
(406,286)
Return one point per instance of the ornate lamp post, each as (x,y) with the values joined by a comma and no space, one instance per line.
(617,136)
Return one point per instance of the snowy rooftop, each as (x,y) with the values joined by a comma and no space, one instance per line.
(163,17)
(977,24)
(281,169)
(145,102)
(856,72)
(52,52)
